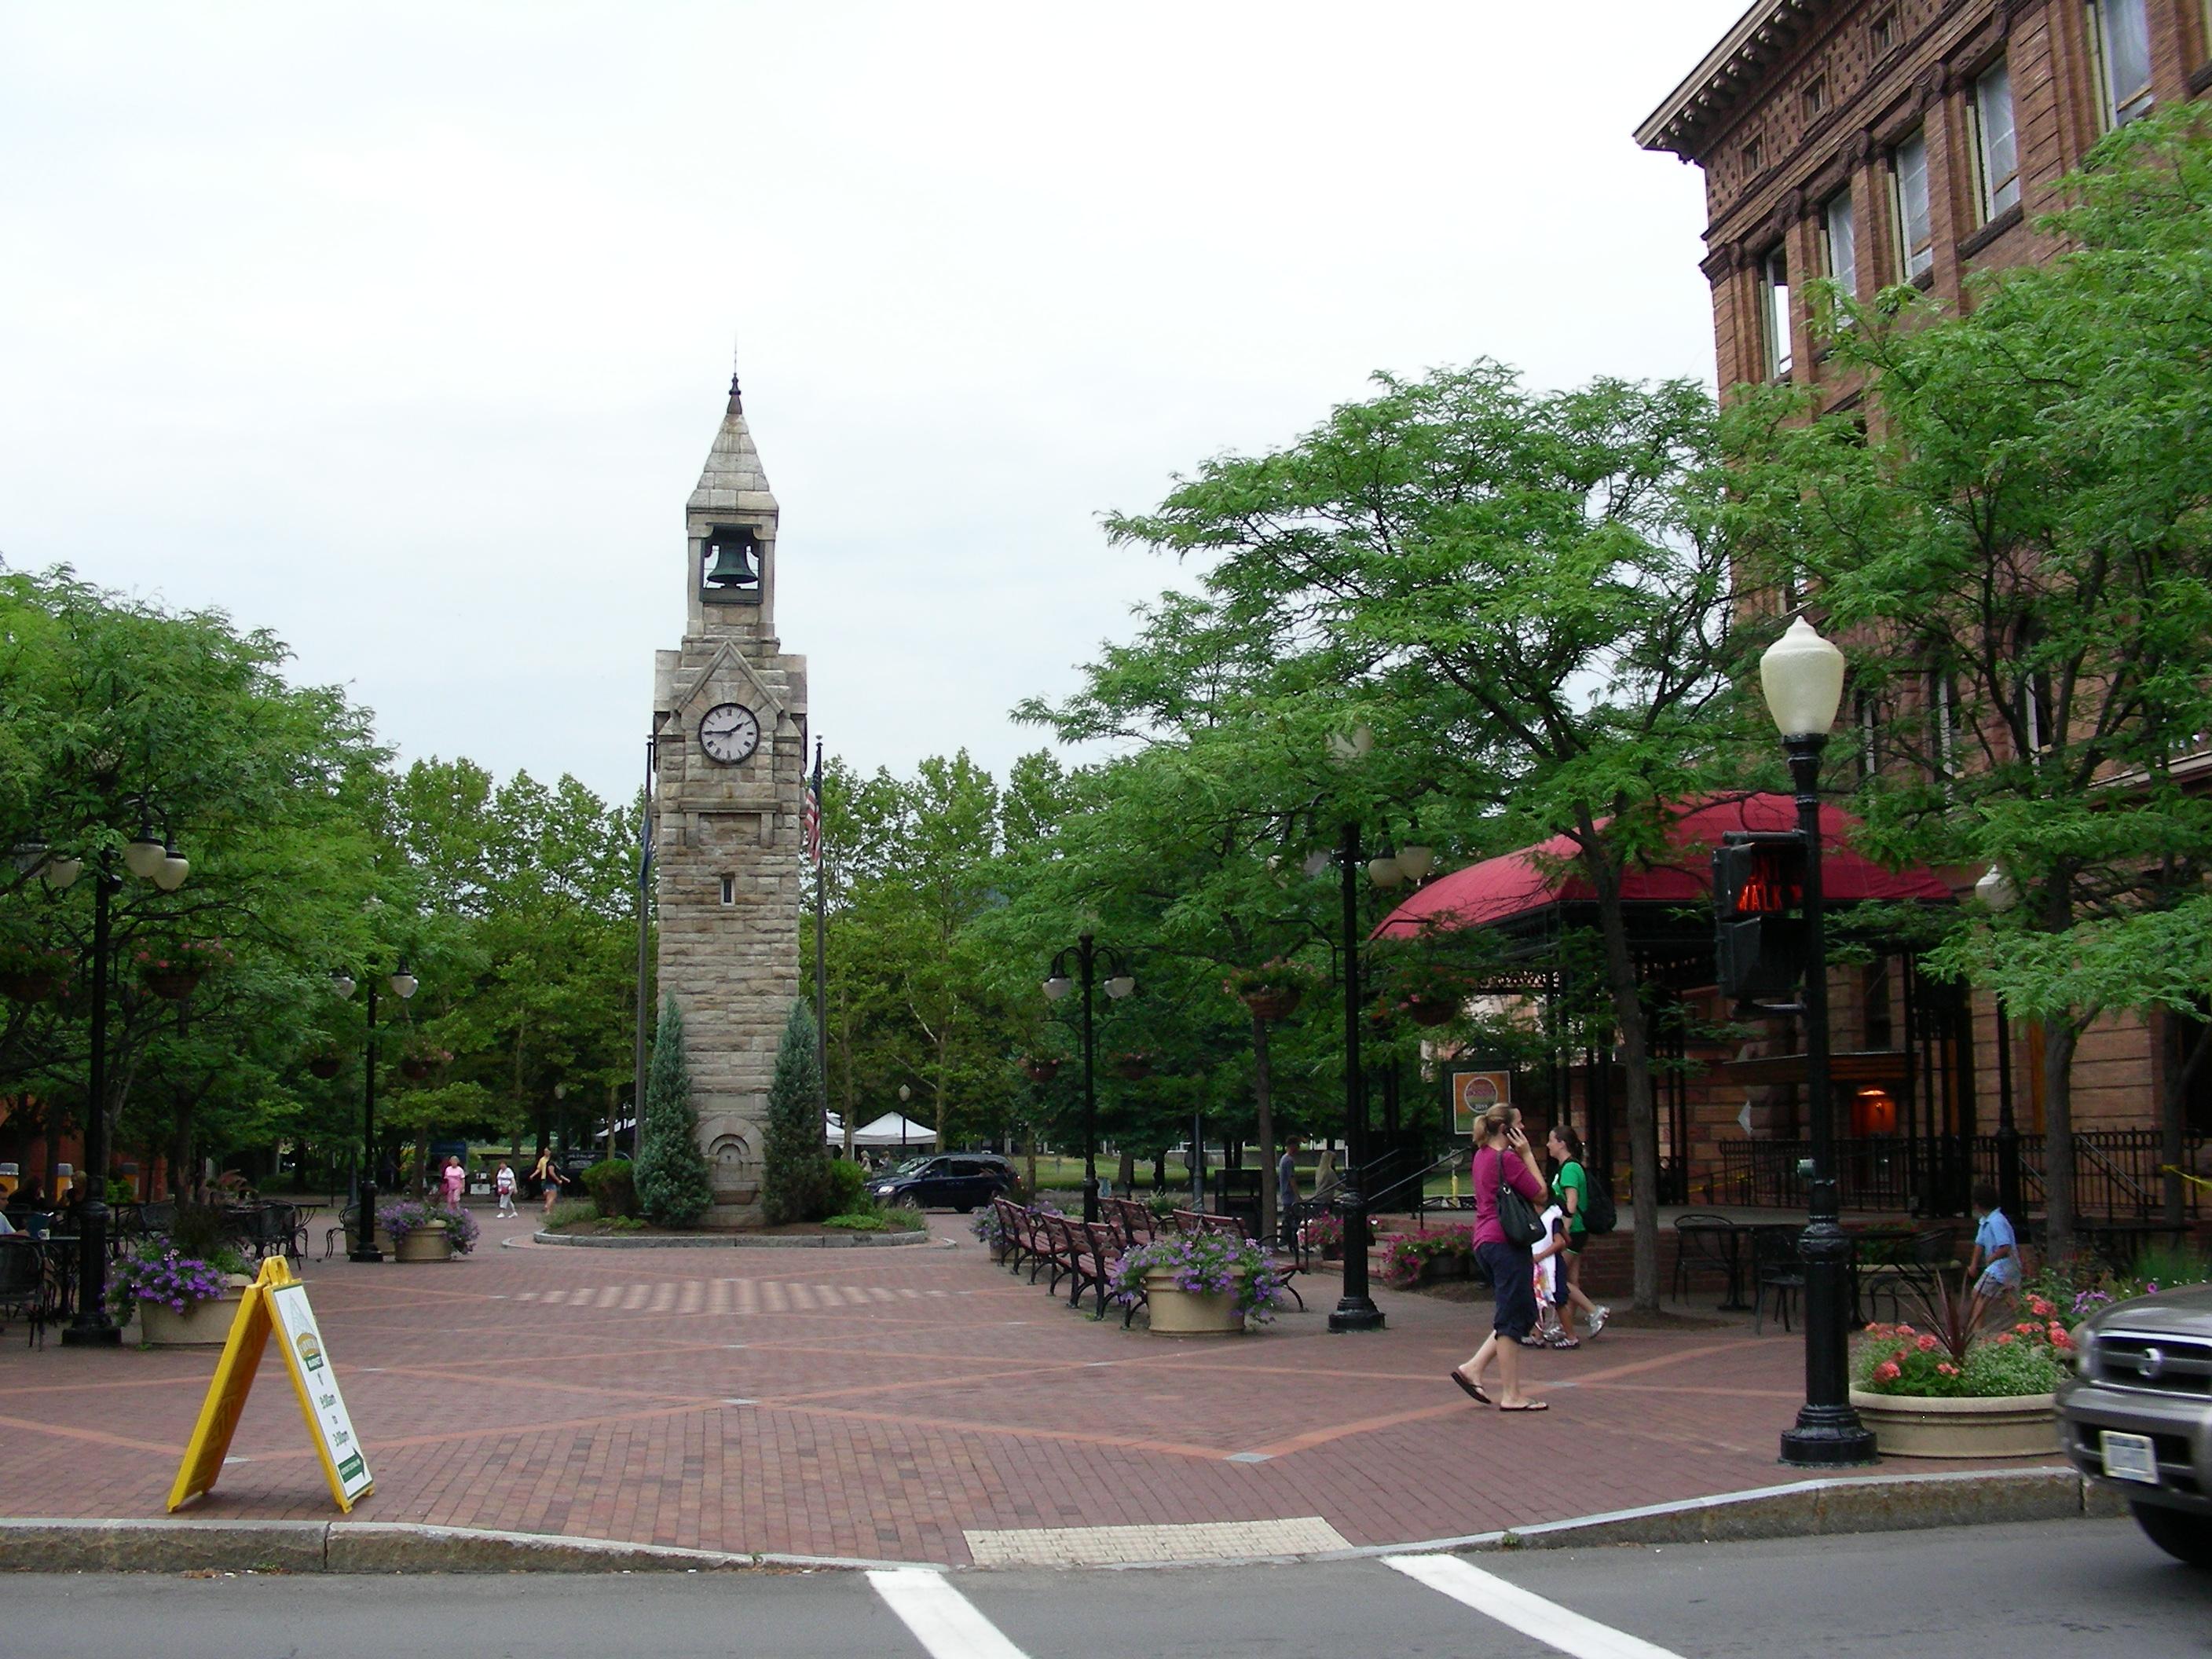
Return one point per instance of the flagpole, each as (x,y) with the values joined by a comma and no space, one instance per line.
(820,957)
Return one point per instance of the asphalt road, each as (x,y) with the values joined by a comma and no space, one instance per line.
(2088,1588)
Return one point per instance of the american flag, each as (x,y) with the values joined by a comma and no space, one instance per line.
(811,818)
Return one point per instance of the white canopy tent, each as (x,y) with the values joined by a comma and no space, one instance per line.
(833,1129)
(893,1130)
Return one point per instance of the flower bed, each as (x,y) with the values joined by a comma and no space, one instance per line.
(1415,1258)
(1985,1360)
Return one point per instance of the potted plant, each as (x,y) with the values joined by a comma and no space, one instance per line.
(173,972)
(182,1301)
(30,972)
(1039,1069)
(324,1063)
(1133,1065)
(419,1061)
(1423,1258)
(1324,1233)
(423,1232)
(1272,991)
(1963,1380)
(1198,1284)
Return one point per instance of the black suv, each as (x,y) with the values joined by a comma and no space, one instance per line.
(957,1180)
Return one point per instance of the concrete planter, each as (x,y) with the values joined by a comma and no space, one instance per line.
(203,1325)
(1189,1313)
(430,1243)
(1915,1425)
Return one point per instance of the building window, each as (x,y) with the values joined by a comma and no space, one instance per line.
(1916,241)
(729,890)
(1881,34)
(1839,232)
(1751,157)
(1866,714)
(1774,312)
(2121,29)
(1816,95)
(1996,146)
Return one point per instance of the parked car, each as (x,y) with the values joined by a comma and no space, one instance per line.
(2137,1415)
(957,1180)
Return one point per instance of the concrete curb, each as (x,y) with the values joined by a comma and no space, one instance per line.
(40,1544)
(731,1241)
(1901,1503)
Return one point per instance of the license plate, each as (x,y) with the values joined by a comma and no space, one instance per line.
(2131,1457)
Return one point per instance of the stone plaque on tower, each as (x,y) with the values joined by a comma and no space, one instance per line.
(730,768)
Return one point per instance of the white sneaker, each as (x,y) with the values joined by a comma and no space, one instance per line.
(1597,1320)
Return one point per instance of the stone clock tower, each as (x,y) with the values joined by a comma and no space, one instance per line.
(729,725)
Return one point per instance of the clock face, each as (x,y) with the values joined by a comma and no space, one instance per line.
(729,732)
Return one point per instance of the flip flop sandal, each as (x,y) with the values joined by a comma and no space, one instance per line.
(1473,1390)
(1533,1405)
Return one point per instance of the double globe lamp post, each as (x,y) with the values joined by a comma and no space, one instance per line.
(151,860)
(1803,677)
(402,985)
(1088,953)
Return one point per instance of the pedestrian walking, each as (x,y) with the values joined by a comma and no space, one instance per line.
(1551,1331)
(1570,1191)
(455,1180)
(503,1183)
(1503,1155)
(1286,1190)
(1996,1254)
(549,1179)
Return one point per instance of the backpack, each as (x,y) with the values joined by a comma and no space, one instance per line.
(1598,1213)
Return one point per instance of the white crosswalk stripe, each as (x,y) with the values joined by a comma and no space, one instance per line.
(1525,1611)
(946,1623)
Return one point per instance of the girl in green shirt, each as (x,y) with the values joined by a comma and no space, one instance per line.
(1569,1187)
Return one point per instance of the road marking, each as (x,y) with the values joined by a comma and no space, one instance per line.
(946,1622)
(1523,1610)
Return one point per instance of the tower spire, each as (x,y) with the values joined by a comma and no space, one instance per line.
(737,398)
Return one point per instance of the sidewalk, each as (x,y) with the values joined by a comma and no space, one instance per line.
(885,1403)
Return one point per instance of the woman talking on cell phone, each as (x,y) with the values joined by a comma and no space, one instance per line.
(1503,1158)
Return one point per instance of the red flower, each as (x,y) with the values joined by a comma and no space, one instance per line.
(1948,1369)
(2007,1340)
(2038,1307)
(1885,1372)
(1925,1344)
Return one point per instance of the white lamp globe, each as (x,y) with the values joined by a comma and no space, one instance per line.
(1803,675)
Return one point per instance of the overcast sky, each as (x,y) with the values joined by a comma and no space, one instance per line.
(403,330)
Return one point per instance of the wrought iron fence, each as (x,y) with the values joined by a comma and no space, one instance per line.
(2117,1173)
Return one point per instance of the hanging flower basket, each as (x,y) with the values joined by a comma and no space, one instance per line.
(32,972)
(325,1066)
(1430,1010)
(1134,1066)
(173,973)
(419,1063)
(1041,1070)
(1272,991)
(1279,1003)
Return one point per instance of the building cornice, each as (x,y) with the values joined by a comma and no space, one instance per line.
(1761,37)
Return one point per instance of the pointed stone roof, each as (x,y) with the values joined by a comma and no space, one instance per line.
(734,479)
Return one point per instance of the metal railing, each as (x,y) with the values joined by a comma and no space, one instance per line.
(2117,1173)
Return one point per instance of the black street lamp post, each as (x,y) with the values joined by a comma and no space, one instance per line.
(402,985)
(1803,675)
(1997,891)
(1355,1309)
(156,861)
(1119,983)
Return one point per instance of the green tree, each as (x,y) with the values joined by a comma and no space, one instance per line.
(795,1163)
(674,1188)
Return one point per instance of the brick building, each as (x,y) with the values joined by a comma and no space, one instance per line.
(1880,142)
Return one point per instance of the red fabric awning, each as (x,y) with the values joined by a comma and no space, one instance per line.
(1517,884)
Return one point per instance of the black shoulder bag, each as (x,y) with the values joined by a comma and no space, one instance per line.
(1517,1216)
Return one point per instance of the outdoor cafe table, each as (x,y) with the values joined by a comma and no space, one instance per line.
(56,1254)
(1727,1239)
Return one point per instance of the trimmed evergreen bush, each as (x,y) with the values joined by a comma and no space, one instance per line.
(673,1187)
(611,1183)
(795,1169)
(847,1189)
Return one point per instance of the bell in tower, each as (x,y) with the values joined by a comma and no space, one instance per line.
(730,566)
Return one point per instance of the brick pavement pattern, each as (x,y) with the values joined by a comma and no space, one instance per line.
(884,1403)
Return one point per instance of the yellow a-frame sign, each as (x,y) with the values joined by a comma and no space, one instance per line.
(275,1301)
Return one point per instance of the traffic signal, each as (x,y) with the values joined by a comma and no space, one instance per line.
(1759,899)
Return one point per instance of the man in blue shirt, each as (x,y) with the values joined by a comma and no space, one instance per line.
(1997,1251)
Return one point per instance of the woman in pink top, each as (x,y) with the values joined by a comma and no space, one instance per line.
(456,1178)
(1502,1151)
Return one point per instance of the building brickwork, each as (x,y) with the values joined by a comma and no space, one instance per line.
(726,815)
(1810,113)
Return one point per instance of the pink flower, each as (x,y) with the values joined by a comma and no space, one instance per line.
(2007,1340)
(1887,1371)
(1925,1344)
(2061,1341)
(1904,1330)
(2038,1307)
(1948,1369)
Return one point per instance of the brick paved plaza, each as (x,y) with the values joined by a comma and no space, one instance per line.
(884,1403)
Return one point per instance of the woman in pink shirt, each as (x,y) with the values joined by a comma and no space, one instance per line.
(456,1177)
(1502,1152)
